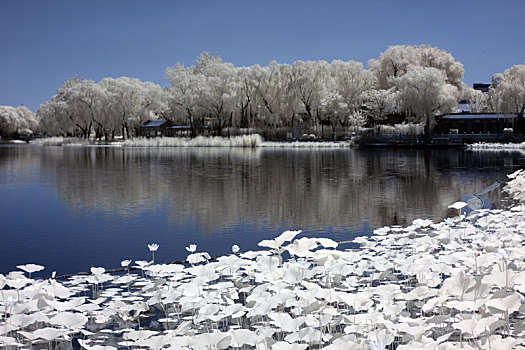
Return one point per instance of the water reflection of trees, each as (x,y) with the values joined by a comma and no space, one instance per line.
(219,188)
(16,165)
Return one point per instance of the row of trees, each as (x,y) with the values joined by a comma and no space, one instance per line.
(415,83)
(16,121)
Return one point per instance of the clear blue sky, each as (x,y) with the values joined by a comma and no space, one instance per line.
(44,42)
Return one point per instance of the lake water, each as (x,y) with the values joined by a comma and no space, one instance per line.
(69,208)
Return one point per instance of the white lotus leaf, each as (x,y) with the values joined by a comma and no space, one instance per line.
(412,330)
(500,279)
(293,273)
(500,343)
(458,205)
(382,231)
(484,324)
(59,305)
(302,247)
(85,345)
(196,258)
(254,254)
(267,263)
(508,304)
(391,310)
(87,308)
(287,236)
(97,301)
(156,341)
(241,337)
(207,311)
(323,320)
(136,335)
(28,335)
(98,270)
(234,310)
(98,279)
(433,302)
(327,242)
(7,328)
(285,322)
(48,333)
(71,320)
(487,259)
(125,263)
(58,290)
(17,283)
(468,325)
(307,334)
(126,279)
(421,292)
(23,320)
(346,345)
(420,223)
(181,329)
(142,263)
(77,301)
(222,285)
(268,243)
(283,345)
(9,341)
(30,268)
(457,285)
(206,341)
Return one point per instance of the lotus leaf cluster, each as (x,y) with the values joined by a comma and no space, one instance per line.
(454,284)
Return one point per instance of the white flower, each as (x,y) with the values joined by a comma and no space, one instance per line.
(125,263)
(153,247)
(378,344)
(449,221)
(303,264)
(503,254)
(235,249)
(10,301)
(192,248)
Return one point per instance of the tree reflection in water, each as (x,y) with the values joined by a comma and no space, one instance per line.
(230,194)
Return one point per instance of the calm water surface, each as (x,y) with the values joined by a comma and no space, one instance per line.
(69,208)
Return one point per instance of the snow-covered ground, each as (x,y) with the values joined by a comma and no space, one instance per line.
(457,283)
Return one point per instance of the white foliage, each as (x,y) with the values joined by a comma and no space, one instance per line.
(17,120)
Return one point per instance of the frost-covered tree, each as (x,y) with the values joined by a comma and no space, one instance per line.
(54,118)
(356,121)
(131,102)
(425,94)
(378,104)
(87,100)
(58,117)
(272,92)
(396,60)
(479,101)
(187,91)
(244,95)
(333,109)
(219,96)
(16,121)
(106,109)
(508,90)
(351,80)
(305,83)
